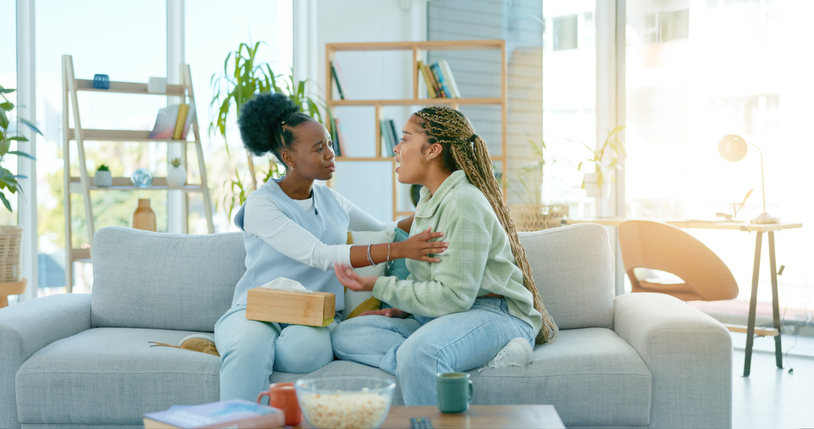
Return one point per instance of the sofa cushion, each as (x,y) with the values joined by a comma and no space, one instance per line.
(573,271)
(163,281)
(111,376)
(591,376)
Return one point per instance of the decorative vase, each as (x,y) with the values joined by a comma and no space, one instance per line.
(590,183)
(144,216)
(103,179)
(176,176)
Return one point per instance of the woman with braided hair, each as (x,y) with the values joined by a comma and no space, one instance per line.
(479,297)
(295,230)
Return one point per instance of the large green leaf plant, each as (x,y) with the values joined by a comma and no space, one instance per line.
(606,157)
(242,78)
(9,182)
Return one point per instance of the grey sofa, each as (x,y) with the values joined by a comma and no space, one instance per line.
(71,361)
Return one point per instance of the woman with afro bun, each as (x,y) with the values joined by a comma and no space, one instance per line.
(295,230)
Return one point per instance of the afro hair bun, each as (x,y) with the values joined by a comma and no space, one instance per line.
(260,121)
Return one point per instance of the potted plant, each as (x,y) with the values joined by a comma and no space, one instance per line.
(606,162)
(176,174)
(238,84)
(532,214)
(11,236)
(102,177)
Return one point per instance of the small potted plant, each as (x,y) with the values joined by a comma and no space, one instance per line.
(606,162)
(102,178)
(176,174)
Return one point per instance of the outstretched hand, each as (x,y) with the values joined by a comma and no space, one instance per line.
(386,312)
(419,246)
(353,281)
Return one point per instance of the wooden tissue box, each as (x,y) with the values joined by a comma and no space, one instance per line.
(297,308)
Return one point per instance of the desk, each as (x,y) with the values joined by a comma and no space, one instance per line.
(734,226)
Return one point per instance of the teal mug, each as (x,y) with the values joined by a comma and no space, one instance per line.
(454,392)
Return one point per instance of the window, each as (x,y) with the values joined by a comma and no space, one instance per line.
(212,32)
(565,33)
(569,101)
(729,75)
(125,53)
(667,25)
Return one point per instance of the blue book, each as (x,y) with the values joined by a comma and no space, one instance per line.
(235,413)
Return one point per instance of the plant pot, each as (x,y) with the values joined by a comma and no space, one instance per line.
(589,182)
(176,177)
(103,179)
(536,217)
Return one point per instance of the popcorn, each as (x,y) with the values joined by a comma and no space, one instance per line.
(345,410)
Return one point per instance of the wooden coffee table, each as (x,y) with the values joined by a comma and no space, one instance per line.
(478,416)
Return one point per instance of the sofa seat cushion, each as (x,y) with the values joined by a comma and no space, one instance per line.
(111,376)
(590,375)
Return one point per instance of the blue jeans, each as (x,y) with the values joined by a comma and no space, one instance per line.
(250,350)
(417,348)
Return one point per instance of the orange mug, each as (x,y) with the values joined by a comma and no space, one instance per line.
(284,397)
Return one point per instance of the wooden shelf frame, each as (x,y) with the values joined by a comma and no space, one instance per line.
(417,48)
(83,184)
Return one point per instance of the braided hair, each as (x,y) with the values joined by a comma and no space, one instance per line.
(267,122)
(465,150)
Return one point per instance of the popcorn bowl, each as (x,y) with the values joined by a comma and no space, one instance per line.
(345,402)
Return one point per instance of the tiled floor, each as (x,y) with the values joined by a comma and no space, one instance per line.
(770,397)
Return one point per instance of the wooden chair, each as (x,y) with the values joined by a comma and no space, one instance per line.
(647,246)
(7,289)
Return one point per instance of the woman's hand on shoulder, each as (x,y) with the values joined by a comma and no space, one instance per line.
(353,281)
(386,312)
(420,246)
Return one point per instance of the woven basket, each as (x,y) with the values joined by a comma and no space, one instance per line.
(537,217)
(11,261)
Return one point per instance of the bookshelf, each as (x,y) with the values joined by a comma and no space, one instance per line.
(418,99)
(82,184)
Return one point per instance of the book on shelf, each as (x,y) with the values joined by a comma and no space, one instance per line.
(394,135)
(172,122)
(436,71)
(446,72)
(190,115)
(335,138)
(336,72)
(387,138)
(428,79)
(340,137)
(235,413)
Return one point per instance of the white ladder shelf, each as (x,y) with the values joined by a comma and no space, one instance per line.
(82,184)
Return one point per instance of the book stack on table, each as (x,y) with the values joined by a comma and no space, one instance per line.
(236,413)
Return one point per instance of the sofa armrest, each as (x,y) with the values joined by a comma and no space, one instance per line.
(26,328)
(689,355)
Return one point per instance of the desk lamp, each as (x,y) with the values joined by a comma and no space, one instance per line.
(733,148)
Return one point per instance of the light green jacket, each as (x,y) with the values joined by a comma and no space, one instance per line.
(478,260)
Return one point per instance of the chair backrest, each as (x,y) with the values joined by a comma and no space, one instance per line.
(659,246)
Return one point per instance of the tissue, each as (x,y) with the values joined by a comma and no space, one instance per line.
(283,283)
